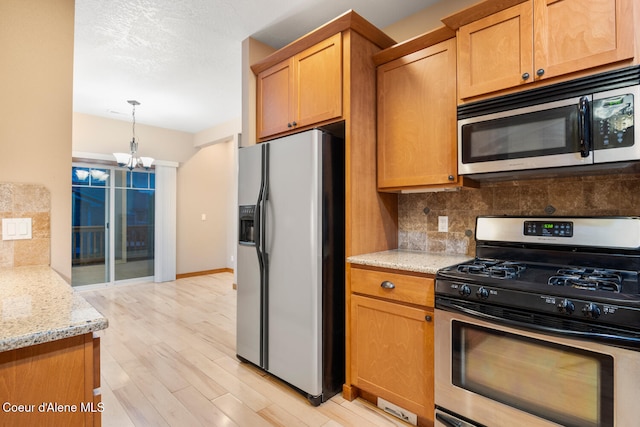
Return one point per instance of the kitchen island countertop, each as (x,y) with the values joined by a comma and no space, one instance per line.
(38,306)
(415,261)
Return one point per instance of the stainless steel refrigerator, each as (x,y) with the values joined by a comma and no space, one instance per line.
(290,267)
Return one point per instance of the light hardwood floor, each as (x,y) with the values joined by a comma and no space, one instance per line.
(168,359)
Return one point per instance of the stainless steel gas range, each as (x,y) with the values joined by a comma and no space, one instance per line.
(542,328)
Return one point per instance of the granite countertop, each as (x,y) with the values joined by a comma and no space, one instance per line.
(416,261)
(37,306)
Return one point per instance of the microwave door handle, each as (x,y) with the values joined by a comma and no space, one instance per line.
(584,126)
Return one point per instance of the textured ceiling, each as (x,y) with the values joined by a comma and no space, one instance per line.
(181,59)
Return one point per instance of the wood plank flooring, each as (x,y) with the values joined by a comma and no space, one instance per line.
(168,359)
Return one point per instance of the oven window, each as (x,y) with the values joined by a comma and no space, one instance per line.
(566,385)
(535,134)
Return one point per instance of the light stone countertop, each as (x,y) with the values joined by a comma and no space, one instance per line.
(37,306)
(416,261)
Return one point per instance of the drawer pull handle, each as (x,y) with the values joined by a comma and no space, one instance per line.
(428,318)
(387,285)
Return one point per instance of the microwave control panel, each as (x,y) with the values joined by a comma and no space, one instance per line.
(613,122)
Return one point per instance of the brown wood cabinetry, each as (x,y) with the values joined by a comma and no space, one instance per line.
(533,41)
(417,144)
(54,382)
(326,98)
(301,91)
(391,338)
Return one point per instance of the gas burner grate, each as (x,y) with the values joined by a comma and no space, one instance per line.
(492,268)
(588,278)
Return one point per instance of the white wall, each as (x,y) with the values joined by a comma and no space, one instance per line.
(206,187)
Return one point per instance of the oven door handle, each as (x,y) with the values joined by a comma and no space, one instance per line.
(626,341)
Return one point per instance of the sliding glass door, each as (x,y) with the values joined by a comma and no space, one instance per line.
(90,213)
(113,224)
(134,224)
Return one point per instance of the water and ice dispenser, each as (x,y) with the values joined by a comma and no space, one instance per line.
(246,234)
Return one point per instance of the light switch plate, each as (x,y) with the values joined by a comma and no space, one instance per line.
(16,228)
(443,224)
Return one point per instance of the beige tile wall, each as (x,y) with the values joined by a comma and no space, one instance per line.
(617,194)
(26,201)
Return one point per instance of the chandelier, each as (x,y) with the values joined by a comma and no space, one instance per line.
(131,159)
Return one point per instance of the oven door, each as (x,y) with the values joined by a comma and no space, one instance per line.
(497,375)
(540,136)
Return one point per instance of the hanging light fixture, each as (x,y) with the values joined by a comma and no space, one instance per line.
(131,159)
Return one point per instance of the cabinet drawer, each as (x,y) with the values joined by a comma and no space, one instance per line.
(393,286)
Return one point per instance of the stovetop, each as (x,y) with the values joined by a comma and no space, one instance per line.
(589,273)
(576,277)
(603,284)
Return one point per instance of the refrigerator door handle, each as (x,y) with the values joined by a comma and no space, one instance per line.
(263,257)
(258,218)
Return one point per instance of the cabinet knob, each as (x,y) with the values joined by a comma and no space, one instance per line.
(450,177)
(525,76)
(289,125)
(387,285)
(540,72)
(428,318)
(294,124)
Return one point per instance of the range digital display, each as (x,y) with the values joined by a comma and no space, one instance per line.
(548,228)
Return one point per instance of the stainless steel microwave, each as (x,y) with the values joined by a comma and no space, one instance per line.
(539,131)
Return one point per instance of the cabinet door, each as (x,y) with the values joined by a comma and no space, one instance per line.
(275,99)
(496,52)
(417,118)
(56,374)
(572,35)
(318,82)
(392,353)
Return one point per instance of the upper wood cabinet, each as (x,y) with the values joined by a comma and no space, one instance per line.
(301,91)
(496,52)
(417,119)
(416,84)
(536,40)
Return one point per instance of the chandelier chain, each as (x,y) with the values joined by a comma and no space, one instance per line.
(131,159)
(133,116)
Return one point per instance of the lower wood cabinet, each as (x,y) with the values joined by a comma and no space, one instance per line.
(391,339)
(52,384)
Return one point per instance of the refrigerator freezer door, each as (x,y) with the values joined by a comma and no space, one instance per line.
(248,336)
(294,229)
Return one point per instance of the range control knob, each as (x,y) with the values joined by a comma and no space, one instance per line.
(482,293)
(464,290)
(591,310)
(566,306)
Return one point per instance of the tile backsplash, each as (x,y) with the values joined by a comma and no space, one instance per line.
(613,194)
(33,201)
